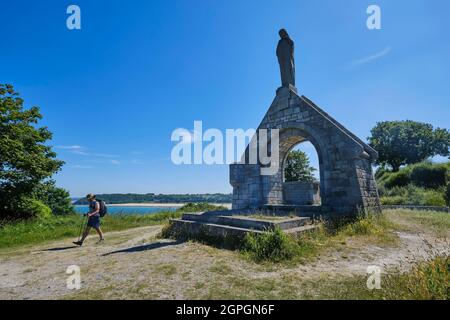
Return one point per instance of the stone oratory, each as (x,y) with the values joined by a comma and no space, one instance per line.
(347,184)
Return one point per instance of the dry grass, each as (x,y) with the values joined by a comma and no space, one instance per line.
(332,266)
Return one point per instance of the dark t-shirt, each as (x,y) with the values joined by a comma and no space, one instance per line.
(92,206)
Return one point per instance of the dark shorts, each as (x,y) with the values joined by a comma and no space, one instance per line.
(94,222)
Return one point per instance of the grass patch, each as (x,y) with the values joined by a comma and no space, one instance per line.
(58,227)
(273,246)
(166,269)
(13,234)
(221,267)
(437,222)
(200,207)
(266,217)
(278,247)
(428,280)
(378,227)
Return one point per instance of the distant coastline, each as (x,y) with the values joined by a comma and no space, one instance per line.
(160,205)
(148,204)
(151,199)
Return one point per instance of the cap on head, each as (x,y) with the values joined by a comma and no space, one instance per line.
(283,33)
(90,196)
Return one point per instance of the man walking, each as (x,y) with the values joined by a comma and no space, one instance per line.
(93,219)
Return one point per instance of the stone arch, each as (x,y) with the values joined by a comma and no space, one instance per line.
(347,182)
(290,135)
(314,191)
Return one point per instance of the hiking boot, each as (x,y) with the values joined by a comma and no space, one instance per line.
(78,243)
(100,241)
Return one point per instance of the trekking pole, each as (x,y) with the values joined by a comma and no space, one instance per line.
(83,222)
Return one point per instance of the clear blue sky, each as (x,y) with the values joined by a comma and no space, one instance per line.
(137,70)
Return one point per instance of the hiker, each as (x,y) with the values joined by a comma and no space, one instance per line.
(93,220)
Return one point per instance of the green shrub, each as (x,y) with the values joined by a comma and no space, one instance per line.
(380,172)
(412,195)
(428,175)
(274,246)
(433,198)
(57,199)
(366,224)
(34,209)
(425,175)
(397,179)
(200,207)
(381,190)
(447,194)
(395,200)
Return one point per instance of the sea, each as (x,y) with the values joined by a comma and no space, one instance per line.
(128,210)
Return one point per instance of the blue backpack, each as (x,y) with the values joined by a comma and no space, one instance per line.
(103,209)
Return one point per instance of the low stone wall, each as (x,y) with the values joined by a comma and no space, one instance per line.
(426,208)
(301,193)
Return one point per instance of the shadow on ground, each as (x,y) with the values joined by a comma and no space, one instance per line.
(145,247)
(61,248)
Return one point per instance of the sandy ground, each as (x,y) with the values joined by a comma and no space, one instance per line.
(134,264)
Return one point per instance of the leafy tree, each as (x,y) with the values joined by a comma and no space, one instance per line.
(297,167)
(25,159)
(57,199)
(406,142)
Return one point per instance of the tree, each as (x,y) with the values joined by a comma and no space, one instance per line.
(25,159)
(297,167)
(57,199)
(406,142)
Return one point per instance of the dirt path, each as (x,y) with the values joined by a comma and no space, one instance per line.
(133,264)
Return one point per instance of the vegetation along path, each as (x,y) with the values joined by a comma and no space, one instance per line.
(136,264)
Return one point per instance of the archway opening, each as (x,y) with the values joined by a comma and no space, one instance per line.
(301,175)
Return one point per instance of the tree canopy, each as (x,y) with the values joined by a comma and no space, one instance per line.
(25,159)
(297,167)
(407,142)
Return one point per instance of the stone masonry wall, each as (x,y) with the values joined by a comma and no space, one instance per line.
(301,193)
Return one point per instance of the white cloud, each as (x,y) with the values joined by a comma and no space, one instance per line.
(372,57)
(77,166)
(104,155)
(75,147)
(115,162)
(82,151)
